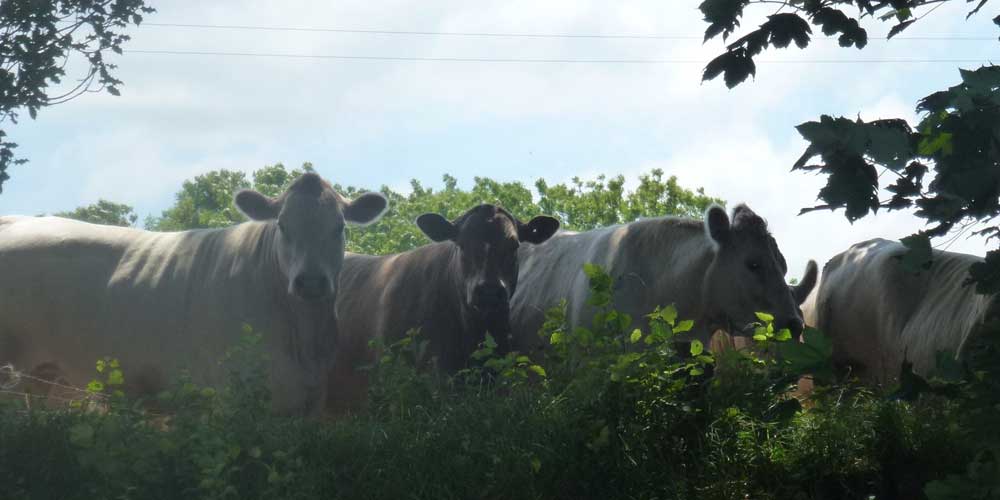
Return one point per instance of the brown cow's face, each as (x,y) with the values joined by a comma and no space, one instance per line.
(488,238)
(747,274)
(310,218)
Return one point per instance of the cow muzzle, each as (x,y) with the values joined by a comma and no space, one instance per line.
(312,287)
(794,326)
(490,298)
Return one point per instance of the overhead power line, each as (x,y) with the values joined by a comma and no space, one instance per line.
(508,35)
(521,60)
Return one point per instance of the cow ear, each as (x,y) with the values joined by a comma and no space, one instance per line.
(717,224)
(437,228)
(366,209)
(802,290)
(257,206)
(538,229)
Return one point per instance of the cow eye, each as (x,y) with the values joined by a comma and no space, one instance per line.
(753,265)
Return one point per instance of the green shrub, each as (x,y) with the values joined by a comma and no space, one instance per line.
(612,412)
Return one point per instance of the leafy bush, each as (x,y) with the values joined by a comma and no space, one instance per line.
(610,413)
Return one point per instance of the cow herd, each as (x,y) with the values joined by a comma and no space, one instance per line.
(72,292)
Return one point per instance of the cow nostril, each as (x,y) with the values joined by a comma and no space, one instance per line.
(311,286)
(795,327)
(490,296)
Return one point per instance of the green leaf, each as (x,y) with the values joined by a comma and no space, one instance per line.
(116,377)
(783,335)
(765,317)
(684,326)
(536,465)
(556,338)
(636,336)
(696,371)
(760,337)
(941,142)
(101,365)
(897,29)
(736,64)
(669,314)
(812,355)
(538,370)
(696,347)
(95,386)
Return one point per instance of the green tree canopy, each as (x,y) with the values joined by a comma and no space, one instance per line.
(104,212)
(206,201)
(37,37)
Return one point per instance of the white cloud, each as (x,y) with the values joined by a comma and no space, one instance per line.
(377,122)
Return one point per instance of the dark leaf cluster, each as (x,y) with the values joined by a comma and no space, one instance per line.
(38,37)
(947,167)
(840,18)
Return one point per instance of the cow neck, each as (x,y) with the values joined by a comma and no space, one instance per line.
(451,284)
(313,324)
(678,271)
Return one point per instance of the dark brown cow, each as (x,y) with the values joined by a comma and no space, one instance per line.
(455,291)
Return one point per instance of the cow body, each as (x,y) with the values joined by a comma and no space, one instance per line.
(878,314)
(393,294)
(72,293)
(454,292)
(657,262)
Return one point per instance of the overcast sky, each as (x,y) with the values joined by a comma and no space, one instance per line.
(371,123)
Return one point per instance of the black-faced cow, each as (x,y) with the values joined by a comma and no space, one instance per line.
(454,291)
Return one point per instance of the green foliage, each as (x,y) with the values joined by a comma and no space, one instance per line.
(206,201)
(38,37)
(782,28)
(610,413)
(584,205)
(104,212)
(948,166)
(579,206)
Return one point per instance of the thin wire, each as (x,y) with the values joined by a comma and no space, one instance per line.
(504,35)
(517,60)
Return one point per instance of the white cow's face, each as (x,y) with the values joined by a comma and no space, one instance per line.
(748,273)
(310,217)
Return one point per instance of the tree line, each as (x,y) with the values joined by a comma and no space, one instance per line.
(207,202)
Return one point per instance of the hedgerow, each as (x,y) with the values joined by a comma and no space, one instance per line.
(609,413)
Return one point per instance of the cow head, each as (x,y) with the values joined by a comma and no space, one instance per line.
(309,241)
(747,274)
(487,238)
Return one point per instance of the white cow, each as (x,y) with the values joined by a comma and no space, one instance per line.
(878,314)
(72,292)
(716,272)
